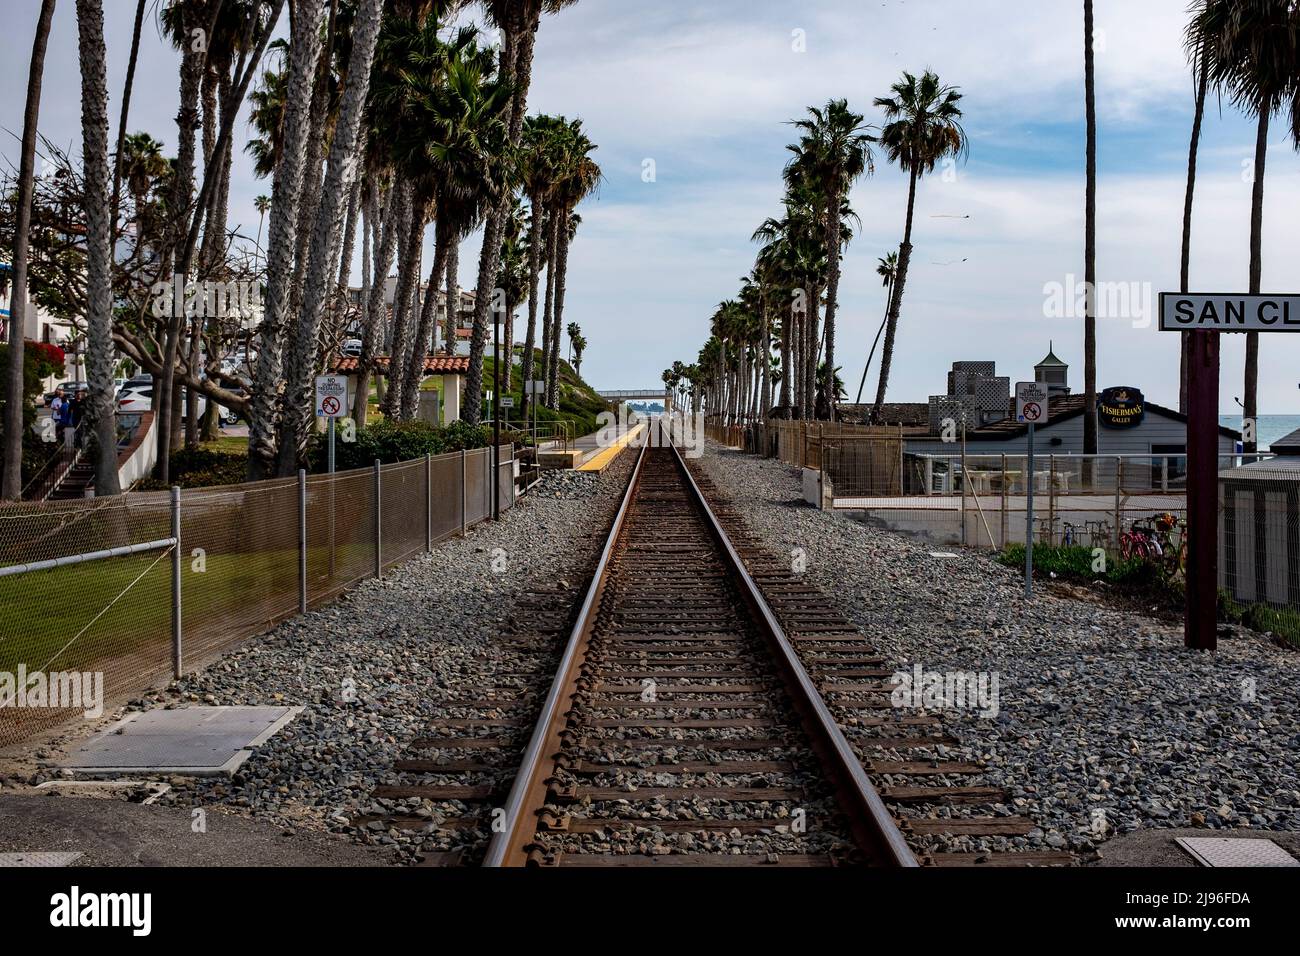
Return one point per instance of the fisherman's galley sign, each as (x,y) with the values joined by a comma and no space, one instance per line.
(1199,312)
(1121,407)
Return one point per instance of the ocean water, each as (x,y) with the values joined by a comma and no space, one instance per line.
(1270,427)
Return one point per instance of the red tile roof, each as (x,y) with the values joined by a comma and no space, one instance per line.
(433,365)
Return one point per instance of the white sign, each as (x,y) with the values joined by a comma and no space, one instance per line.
(1031,403)
(536,387)
(1229,313)
(507,403)
(332,396)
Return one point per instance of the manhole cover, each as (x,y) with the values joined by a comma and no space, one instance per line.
(188,740)
(38,859)
(1236,851)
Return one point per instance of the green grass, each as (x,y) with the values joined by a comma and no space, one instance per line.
(43,610)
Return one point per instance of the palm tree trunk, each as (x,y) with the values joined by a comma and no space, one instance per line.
(407,275)
(896,300)
(187,121)
(534,279)
(548,306)
(810,350)
(297,416)
(561,276)
(451,276)
(1249,400)
(1185,345)
(889,291)
(385,243)
(786,369)
(295,126)
(765,402)
(15,399)
(127,87)
(99,247)
(424,332)
(1090,243)
(832,293)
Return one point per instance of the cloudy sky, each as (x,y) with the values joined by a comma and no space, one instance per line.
(704,90)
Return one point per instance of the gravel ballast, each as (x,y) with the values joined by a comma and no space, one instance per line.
(1105,724)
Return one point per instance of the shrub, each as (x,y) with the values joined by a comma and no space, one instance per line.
(392,442)
(200,468)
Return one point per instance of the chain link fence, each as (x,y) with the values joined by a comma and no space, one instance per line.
(107,592)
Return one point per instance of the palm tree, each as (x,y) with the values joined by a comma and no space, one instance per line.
(142,164)
(579,177)
(834,151)
(262,204)
(579,344)
(1252,51)
(574,330)
(15,400)
(923,126)
(513,280)
(295,127)
(887,269)
(519,21)
(456,125)
(99,246)
(296,413)
(539,156)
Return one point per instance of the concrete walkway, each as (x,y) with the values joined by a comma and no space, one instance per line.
(117,833)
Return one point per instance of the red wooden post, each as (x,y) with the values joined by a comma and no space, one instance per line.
(1200,628)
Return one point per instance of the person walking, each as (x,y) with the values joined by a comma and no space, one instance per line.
(57,406)
(77,411)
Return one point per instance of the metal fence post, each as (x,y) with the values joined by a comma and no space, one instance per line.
(964,479)
(379,522)
(176,582)
(1002,531)
(1051,500)
(464,489)
(1119,493)
(302,541)
(428,503)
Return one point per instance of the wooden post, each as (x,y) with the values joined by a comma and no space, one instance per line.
(1200,627)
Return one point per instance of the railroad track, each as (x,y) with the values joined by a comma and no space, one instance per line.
(703,706)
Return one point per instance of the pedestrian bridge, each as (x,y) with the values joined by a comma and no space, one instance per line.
(657,394)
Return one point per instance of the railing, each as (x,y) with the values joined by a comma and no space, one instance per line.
(56,467)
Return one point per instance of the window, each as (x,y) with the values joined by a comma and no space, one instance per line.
(1177,465)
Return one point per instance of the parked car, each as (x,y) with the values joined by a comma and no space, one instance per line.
(69,390)
(139,398)
(351,348)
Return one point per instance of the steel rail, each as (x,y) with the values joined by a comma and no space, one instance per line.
(872,824)
(508,846)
